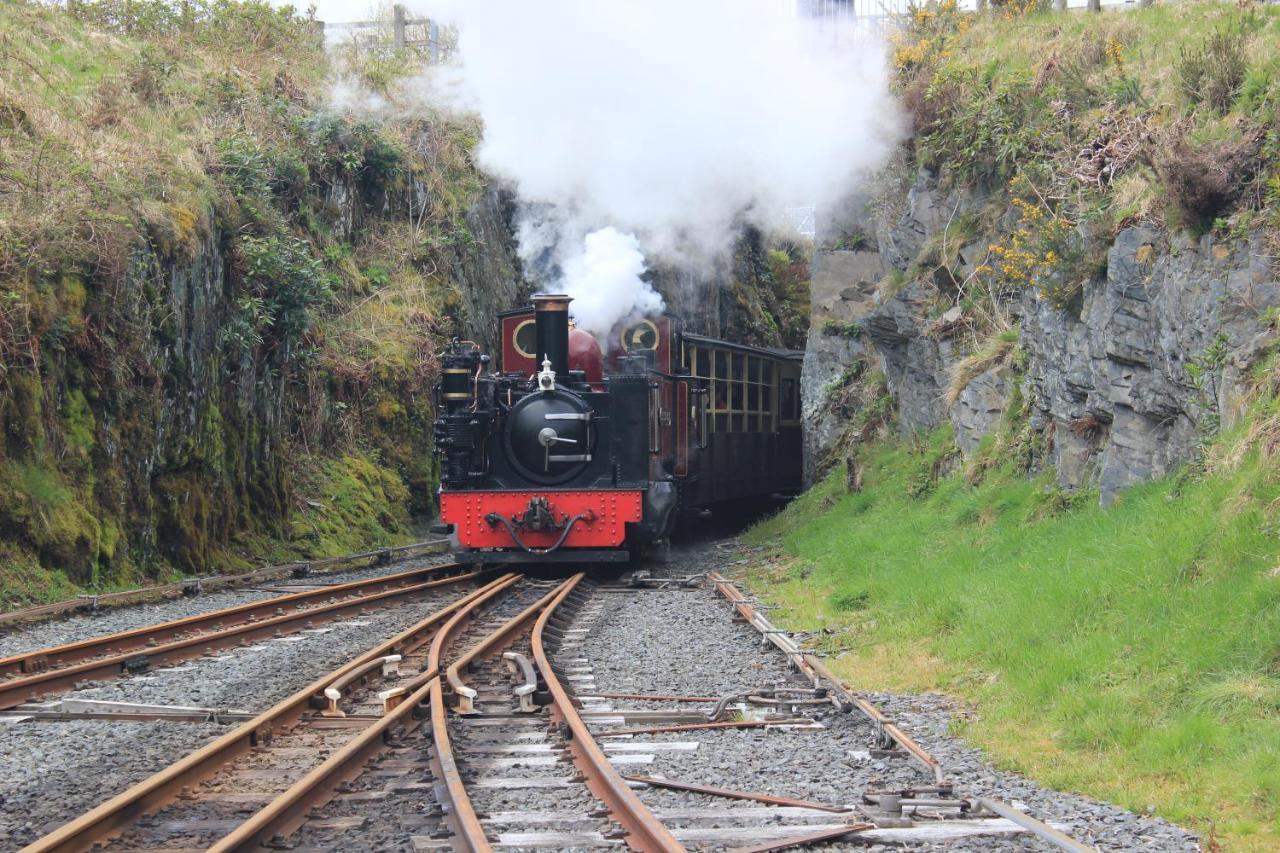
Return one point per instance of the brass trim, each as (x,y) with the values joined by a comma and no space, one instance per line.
(552,302)
(515,337)
(629,330)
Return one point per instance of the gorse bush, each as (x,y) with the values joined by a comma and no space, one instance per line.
(985,136)
(1213,72)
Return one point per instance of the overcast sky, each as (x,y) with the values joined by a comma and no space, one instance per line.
(339,11)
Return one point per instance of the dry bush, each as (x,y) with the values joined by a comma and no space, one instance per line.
(1203,181)
(928,101)
(1087,428)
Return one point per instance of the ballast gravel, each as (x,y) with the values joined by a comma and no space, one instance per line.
(53,771)
(110,620)
(86,762)
(685,642)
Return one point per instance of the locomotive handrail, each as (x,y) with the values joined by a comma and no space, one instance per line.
(655,430)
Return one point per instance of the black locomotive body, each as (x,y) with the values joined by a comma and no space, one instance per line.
(574,452)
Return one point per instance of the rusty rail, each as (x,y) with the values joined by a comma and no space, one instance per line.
(644,831)
(819,675)
(115,814)
(468,833)
(196,635)
(283,815)
(380,556)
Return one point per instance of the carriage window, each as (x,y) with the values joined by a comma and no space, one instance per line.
(790,400)
(753,369)
(722,364)
(768,372)
(701,362)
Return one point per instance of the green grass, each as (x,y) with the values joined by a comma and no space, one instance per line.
(1131,653)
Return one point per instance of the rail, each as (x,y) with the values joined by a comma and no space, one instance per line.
(468,834)
(188,772)
(380,556)
(818,673)
(644,830)
(59,668)
(289,811)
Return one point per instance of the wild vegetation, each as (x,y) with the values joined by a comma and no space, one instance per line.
(1070,127)
(209,353)
(1128,652)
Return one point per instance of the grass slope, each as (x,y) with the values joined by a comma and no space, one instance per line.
(1131,653)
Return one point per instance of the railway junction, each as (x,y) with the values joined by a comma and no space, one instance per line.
(423,705)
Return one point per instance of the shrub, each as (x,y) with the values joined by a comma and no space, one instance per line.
(1204,181)
(1213,73)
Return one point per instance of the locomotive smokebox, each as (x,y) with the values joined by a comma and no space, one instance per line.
(552,328)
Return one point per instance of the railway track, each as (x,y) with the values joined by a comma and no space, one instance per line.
(274,765)
(476,729)
(310,568)
(31,676)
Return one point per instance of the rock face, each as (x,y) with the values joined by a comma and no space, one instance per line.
(1117,387)
(842,293)
(1121,389)
(151,431)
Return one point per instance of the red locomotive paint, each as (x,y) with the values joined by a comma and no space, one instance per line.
(611,509)
(585,355)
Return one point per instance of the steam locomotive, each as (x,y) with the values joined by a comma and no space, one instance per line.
(574,452)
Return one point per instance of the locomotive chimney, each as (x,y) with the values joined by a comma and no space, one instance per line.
(552,328)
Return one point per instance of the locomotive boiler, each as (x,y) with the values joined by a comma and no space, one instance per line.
(571,451)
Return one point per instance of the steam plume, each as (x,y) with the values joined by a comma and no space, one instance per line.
(674,120)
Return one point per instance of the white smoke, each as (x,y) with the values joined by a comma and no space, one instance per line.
(674,120)
(605,281)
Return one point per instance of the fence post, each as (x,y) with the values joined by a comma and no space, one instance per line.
(1095,5)
(1060,5)
(433,36)
(398,26)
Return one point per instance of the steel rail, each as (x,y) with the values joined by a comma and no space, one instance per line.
(468,834)
(380,556)
(139,639)
(16,691)
(818,674)
(644,831)
(1036,827)
(161,788)
(283,815)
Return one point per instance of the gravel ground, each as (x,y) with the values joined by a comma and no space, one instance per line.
(54,771)
(631,652)
(15,639)
(89,761)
